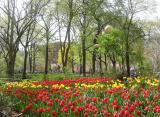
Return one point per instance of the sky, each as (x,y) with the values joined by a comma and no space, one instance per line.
(153,13)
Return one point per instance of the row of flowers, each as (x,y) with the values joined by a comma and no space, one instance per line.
(86,97)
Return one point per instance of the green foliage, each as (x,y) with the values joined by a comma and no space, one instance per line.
(111,42)
(68,74)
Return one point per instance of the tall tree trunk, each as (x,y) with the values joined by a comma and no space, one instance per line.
(30,62)
(11,63)
(94,57)
(106,65)
(123,65)
(95,42)
(65,61)
(84,41)
(12,49)
(80,59)
(65,45)
(100,64)
(114,65)
(114,62)
(127,47)
(46,54)
(31,57)
(72,65)
(83,57)
(127,59)
(10,69)
(25,64)
(34,62)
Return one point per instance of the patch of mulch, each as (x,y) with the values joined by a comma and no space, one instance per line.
(7,112)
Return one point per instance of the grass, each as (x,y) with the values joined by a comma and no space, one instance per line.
(40,76)
(50,76)
(55,76)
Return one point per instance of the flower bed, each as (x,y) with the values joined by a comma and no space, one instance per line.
(86,97)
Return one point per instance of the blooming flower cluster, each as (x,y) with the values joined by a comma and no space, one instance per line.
(86,97)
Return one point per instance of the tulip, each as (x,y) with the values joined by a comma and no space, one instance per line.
(131,109)
(22,111)
(85,114)
(146,109)
(138,112)
(54,113)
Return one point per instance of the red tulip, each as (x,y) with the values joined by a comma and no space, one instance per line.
(27,107)
(85,114)
(146,109)
(105,100)
(148,102)
(22,111)
(126,113)
(40,110)
(72,108)
(48,109)
(49,103)
(138,112)
(126,107)
(140,103)
(62,103)
(131,108)
(115,114)
(53,113)
(155,97)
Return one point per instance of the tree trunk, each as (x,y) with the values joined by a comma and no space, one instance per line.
(80,66)
(106,65)
(34,62)
(114,65)
(127,46)
(83,57)
(30,58)
(46,57)
(11,63)
(84,41)
(12,50)
(127,53)
(72,65)
(94,51)
(68,45)
(66,48)
(10,69)
(127,64)
(94,57)
(25,64)
(30,62)
(100,64)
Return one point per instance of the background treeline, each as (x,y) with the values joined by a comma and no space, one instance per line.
(88,37)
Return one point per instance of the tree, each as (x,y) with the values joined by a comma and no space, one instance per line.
(110,43)
(14,27)
(68,14)
(47,19)
(152,46)
(29,37)
(83,36)
(127,11)
(101,17)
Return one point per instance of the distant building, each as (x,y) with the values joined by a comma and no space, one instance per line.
(56,48)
